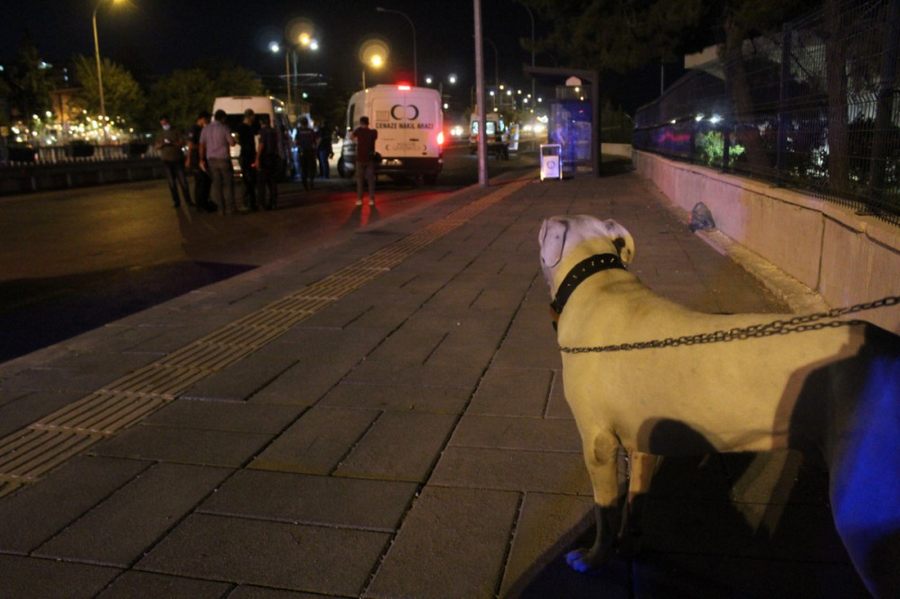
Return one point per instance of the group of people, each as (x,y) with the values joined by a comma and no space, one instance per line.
(208,159)
(312,146)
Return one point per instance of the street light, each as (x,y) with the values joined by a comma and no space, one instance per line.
(376,61)
(408,20)
(307,43)
(275,48)
(97,56)
(299,33)
(373,52)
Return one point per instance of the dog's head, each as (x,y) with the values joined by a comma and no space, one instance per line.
(561,235)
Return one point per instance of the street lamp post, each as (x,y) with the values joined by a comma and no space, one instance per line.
(373,52)
(289,44)
(451,79)
(275,48)
(307,42)
(287,78)
(408,20)
(97,57)
(531,16)
(479,95)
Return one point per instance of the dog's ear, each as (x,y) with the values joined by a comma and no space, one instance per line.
(622,239)
(552,239)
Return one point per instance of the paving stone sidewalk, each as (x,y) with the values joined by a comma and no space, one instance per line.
(409,440)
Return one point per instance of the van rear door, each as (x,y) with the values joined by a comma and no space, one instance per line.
(408,123)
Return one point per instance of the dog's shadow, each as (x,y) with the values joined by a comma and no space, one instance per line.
(722,525)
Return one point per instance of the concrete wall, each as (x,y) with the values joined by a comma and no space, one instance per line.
(846,258)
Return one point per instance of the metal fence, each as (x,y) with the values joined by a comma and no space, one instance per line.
(15,156)
(815,106)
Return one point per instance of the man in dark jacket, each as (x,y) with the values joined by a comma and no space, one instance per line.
(246,132)
(268,165)
(169,143)
(365,159)
(201,178)
(306,146)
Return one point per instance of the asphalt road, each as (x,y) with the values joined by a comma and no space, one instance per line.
(73,260)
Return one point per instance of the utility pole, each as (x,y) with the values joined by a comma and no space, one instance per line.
(479,97)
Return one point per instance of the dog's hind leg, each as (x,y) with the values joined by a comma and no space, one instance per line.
(642,468)
(600,454)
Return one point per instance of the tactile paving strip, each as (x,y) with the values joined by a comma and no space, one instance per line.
(31,452)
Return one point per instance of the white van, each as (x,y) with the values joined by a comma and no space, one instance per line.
(410,125)
(266,108)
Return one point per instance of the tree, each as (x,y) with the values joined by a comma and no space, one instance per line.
(181,95)
(184,92)
(122,96)
(620,36)
(30,82)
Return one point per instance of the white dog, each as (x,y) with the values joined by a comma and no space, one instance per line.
(834,388)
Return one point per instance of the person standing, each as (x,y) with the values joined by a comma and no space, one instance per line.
(215,156)
(267,165)
(324,151)
(306,146)
(201,178)
(365,159)
(246,133)
(169,143)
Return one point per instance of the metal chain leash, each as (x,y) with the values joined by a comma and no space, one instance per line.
(797,324)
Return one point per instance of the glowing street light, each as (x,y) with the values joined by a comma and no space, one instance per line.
(373,53)
(428,80)
(451,79)
(299,34)
(274,47)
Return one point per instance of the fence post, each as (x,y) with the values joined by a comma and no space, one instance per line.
(885,108)
(786,35)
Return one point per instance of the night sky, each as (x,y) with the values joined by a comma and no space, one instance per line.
(153,37)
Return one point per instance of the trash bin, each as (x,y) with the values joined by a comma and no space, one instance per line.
(551,161)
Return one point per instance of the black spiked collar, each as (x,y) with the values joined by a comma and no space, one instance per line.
(580,272)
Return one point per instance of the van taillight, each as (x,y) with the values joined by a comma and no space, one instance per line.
(440,138)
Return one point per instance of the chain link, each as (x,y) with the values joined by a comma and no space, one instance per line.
(797,324)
